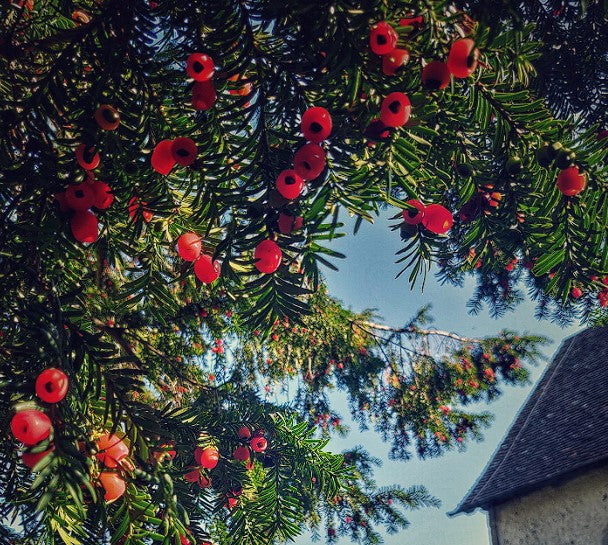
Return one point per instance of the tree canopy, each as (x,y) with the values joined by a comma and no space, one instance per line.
(172,176)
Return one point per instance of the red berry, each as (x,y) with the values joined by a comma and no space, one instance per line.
(80,197)
(576,292)
(103,194)
(30,426)
(382,38)
(395,110)
(288,223)
(184,151)
(84,226)
(60,198)
(316,124)
(206,457)
(162,157)
(30,459)
(570,182)
(207,270)
(413,216)
(462,59)
(289,184)
(411,21)
(244,432)
(200,67)
(602,135)
(192,476)
(241,453)
(377,130)
(189,246)
(107,117)
(203,95)
(437,219)
(203,482)
(87,157)
(393,61)
(267,256)
(258,444)
(113,484)
(184,540)
(435,75)
(52,385)
(309,161)
(111,450)
(135,205)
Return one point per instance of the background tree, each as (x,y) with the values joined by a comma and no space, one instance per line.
(110,154)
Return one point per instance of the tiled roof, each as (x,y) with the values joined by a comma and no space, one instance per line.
(562,428)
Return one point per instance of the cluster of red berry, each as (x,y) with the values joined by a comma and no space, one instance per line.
(32,426)
(396,108)
(189,247)
(207,459)
(201,69)
(112,452)
(81,197)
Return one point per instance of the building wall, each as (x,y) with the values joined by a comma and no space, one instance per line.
(573,513)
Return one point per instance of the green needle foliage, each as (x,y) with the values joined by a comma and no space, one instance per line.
(168,364)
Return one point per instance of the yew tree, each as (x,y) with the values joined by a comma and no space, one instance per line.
(172,176)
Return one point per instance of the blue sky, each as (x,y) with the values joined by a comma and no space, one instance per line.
(367,280)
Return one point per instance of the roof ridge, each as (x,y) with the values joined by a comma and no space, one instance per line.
(552,371)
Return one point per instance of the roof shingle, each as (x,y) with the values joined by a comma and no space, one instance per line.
(561,429)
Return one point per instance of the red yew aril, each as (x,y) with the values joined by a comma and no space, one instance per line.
(395,110)
(576,293)
(135,205)
(107,117)
(377,130)
(193,475)
(241,453)
(437,219)
(103,194)
(80,197)
(288,223)
(316,124)
(258,444)
(267,256)
(206,457)
(289,184)
(113,484)
(162,157)
(60,198)
(200,67)
(184,151)
(52,385)
(244,432)
(87,157)
(382,38)
(84,226)
(462,59)
(206,269)
(111,450)
(309,161)
(393,61)
(435,76)
(30,459)
(189,246)
(30,426)
(203,95)
(204,482)
(413,216)
(411,21)
(571,182)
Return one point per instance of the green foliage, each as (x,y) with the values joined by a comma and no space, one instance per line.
(168,363)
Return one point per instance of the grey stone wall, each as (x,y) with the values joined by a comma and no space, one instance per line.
(572,513)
